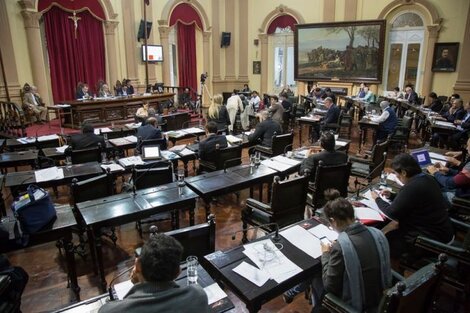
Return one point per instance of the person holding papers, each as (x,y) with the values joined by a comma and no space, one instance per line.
(154,288)
(387,121)
(208,146)
(87,139)
(360,253)
(419,208)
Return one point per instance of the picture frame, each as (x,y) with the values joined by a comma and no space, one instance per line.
(342,51)
(445,57)
(256,67)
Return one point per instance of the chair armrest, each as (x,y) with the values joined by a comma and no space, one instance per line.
(337,304)
(439,247)
(396,277)
(359,160)
(255,204)
(207,164)
(460,224)
(264,149)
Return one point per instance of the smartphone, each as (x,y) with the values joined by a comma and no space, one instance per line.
(325,241)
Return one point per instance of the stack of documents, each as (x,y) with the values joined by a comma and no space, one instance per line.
(113,167)
(50,173)
(102,130)
(192,130)
(445,124)
(177,148)
(133,125)
(130,161)
(131,138)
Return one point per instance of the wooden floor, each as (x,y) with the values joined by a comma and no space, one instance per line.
(47,288)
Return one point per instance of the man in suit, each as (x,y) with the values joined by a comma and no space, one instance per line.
(208,146)
(87,139)
(463,126)
(387,121)
(265,130)
(331,117)
(276,109)
(33,102)
(410,95)
(328,155)
(154,288)
(149,131)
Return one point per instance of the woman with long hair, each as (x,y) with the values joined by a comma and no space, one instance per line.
(218,112)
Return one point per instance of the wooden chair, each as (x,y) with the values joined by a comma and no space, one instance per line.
(223,159)
(280,144)
(415,293)
(287,205)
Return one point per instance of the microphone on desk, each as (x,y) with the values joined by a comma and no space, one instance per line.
(111,284)
(276,236)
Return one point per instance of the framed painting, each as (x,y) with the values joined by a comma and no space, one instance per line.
(256,67)
(445,56)
(343,51)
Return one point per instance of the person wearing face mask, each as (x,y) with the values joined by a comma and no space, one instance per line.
(418,209)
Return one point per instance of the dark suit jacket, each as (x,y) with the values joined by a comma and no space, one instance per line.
(85,141)
(207,147)
(412,97)
(223,120)
(148,132)
(333,265)
(264,132)
(328,158)
(332,115)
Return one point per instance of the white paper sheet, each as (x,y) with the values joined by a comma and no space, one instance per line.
(24,140)
(175,134)
(286,160)
(134,160)
(368,195)
(341,143)
(437,156)
(123,288)
(440,162)
(48,137)
(177,148)
(62,149)
(214,293)
(133,125)
(278,166)
(364,213)
(168,155)
(233,139)
(253,274)
(131,138)
(303,240)
(394,178)
(192,130)
(186,151)
(445,124)
(321,230)
(113,167)
(50,173)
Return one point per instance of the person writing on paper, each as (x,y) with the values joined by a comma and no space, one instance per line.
(329,156)
(87,139)
(453,182)
(360,253)
(387,121)
(419,208)
(208,146)
(154,288)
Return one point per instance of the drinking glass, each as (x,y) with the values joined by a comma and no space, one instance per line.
(257,158)
(180,177)
(68,161)
(191,269)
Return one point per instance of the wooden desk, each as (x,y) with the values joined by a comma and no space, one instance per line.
(310,121)
(33,142)
(220,266)
(14,159)
(2,200)
(365,124)
(125,208)
(60,229)
(107,110)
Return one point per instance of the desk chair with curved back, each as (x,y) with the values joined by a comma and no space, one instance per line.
(86,190)
(161,142)
(416,293)
(223,158)
(399,138)
(369,167)
(148,176)
(334,127)
(280,144)
(85,155)
(326,177)
(287,205)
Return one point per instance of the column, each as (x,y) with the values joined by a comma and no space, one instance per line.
(462,85)
(129,40)
(350,10)
(263,38)
(38,66)
(230,50)
(164,40)
(243,41)
(206,36)
(329,7)
(433,33)
(152,67)
(216,42)
(110,34)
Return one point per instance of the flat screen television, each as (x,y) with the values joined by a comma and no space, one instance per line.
(154,53)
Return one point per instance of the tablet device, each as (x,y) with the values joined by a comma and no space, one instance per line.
(151,153)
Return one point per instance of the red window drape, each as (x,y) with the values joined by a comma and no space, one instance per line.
(187,55)
(73,60)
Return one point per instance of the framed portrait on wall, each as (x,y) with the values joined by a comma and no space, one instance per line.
(256,67)
(445,57)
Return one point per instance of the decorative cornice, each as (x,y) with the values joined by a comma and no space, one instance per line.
(31,18)
(110,27)
(164,32)
(434,30)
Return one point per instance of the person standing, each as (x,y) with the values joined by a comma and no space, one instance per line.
(234,105)
(218,113)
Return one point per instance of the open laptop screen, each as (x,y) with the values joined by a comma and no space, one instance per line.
(151,153)
(422,157)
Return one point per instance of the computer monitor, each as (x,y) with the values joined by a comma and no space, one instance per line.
(154,53)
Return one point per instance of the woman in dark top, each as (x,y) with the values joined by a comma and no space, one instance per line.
(419,208)
(218,113)
(435,105)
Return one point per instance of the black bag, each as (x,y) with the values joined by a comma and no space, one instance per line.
(33,210)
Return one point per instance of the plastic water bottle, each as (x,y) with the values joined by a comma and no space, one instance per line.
(383,179)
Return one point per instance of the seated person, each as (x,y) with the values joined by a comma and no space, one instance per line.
(330,94)
(154,288)
(207,146)
(286,104)
(184,99)
(255,100)
(33,102)
(142,112)
(361,92)
(331,117)
(360,252)
(387,121)
(455,113)
(265,130)
(129,87)
(218,112)
(153,113)
(118,88)
(246,88)
(369,95)
(104,91)
(149,131)
(435,104)
(396,93)
(463,126)
(419,208)
(452,181)
(276,109)
(329,156)
(410,95)
(82,91)
(287,91)
(87,139)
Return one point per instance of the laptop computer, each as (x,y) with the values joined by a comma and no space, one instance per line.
(151,153)
(422,157)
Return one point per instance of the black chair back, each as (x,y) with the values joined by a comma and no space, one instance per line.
(223,158)
(378,153)
(92,188)
(154,174)
(288,200)
(280,142)
(48,144)
(114,134)
(85,155)
(161,142)
(329,176)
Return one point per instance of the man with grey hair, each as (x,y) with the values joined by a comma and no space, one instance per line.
(387,121)
(32,100)
(331,117)
(265,130)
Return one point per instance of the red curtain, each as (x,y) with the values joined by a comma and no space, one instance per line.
(187,55)
(71,59)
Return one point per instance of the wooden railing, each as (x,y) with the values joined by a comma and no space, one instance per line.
(12,120)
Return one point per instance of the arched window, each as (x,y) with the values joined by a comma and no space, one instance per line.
(405,52)
(281,39)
